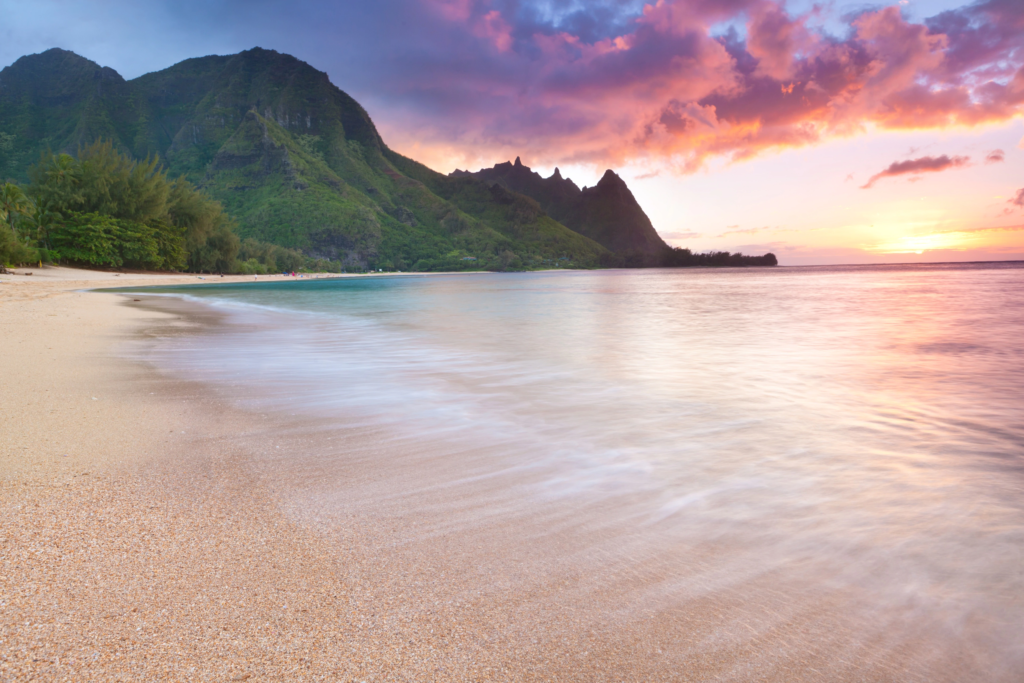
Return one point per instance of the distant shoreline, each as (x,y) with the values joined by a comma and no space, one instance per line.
(117,279)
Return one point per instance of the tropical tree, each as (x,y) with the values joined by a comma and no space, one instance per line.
(105,208)
(45,219)
(114,184)
(55,181)
(13,203)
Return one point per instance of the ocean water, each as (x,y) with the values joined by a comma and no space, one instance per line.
(854,431)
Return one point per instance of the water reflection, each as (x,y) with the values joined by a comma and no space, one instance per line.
(845,429)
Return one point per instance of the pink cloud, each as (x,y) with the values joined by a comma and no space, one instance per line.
(681,235)
(747,231)
(660,85)
(494,28)
(774,40)
(453,10)
(917,167)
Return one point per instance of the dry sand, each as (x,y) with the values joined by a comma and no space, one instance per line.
(147,535)
(110,571)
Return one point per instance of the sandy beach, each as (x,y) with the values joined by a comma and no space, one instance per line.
(118,562)
(141,542)
(154,532)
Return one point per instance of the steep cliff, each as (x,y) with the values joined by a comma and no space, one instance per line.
(606,213)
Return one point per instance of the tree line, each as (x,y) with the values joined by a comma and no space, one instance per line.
(103,208)
(680,257)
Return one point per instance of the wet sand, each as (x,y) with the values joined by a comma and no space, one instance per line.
(152,532)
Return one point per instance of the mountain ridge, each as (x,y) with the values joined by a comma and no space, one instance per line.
(608,212)
(295,159)
(300,164)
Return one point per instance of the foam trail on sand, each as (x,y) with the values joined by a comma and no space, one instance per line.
(850,438)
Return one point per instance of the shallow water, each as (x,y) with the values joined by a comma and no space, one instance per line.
(854,430)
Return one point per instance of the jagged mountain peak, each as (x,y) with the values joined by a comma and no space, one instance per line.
(612,184)
(608,213)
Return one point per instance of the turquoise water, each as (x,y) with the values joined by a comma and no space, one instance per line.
(856,428)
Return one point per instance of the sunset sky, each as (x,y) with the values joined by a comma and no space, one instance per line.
(828,132)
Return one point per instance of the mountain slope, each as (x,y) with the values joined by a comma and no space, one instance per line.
(607,213)
(294,159)
(56,100)
(514,215)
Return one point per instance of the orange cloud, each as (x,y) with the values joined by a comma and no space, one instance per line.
(662,86)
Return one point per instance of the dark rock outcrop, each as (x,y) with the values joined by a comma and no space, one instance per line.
(607,213)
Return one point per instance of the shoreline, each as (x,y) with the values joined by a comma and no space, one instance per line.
(147,539)
(136,545)
(167,545)
(176,542)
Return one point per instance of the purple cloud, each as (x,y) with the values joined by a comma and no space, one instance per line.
(918,166)
(602,82)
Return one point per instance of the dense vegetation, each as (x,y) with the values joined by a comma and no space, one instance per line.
(105,209)
(14,207)
(678,257)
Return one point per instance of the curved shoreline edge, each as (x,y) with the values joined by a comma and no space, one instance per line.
(136,544)
(148,536)
(153,532)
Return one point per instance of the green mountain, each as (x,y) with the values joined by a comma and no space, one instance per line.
(606,213)
(294,159)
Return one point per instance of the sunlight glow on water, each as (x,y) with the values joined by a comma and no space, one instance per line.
(868,421)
